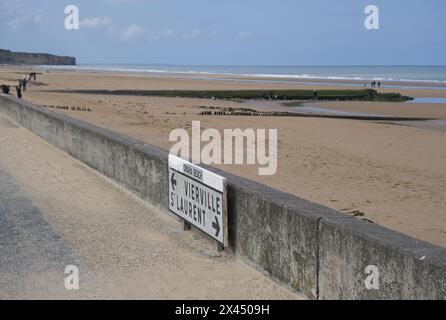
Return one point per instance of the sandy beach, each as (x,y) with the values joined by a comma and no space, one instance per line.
(391,174)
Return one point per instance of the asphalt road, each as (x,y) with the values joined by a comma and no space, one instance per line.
(55,212)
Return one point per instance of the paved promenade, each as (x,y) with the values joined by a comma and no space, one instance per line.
(55,212)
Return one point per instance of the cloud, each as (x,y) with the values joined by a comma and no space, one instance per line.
(96,22)
(191,35)
(17,14)
(244,34)
(38,17)
(158,35)
(129,33)
(11,8)
(15,24)
(132,32)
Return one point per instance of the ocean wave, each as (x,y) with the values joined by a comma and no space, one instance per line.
(303,76)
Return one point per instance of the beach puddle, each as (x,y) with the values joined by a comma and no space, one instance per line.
(304,107)
(310,109)
(428,100)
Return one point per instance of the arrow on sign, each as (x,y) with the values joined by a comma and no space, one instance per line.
(216,226)
(173,181)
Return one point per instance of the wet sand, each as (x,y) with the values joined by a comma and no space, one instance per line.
(394,175)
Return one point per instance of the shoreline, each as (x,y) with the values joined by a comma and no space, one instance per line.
(256,78)
(415,89)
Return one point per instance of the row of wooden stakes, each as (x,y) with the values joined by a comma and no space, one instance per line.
(68,108)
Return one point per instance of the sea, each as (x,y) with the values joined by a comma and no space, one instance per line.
(428,74)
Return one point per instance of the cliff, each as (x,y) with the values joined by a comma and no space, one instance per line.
(9,57)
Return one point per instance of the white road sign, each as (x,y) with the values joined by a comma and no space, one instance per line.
(199,197)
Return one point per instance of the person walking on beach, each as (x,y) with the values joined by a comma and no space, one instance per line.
(19,92)
(315,94)
(24,83)
(379,84)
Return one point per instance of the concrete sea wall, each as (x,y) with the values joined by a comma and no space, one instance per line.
(304,246)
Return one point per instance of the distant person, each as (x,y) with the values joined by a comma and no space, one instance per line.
(19,92)
(24,83)
(379,84)
(5,89)
(315,95)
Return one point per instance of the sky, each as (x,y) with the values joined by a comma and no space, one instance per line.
(230,32)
